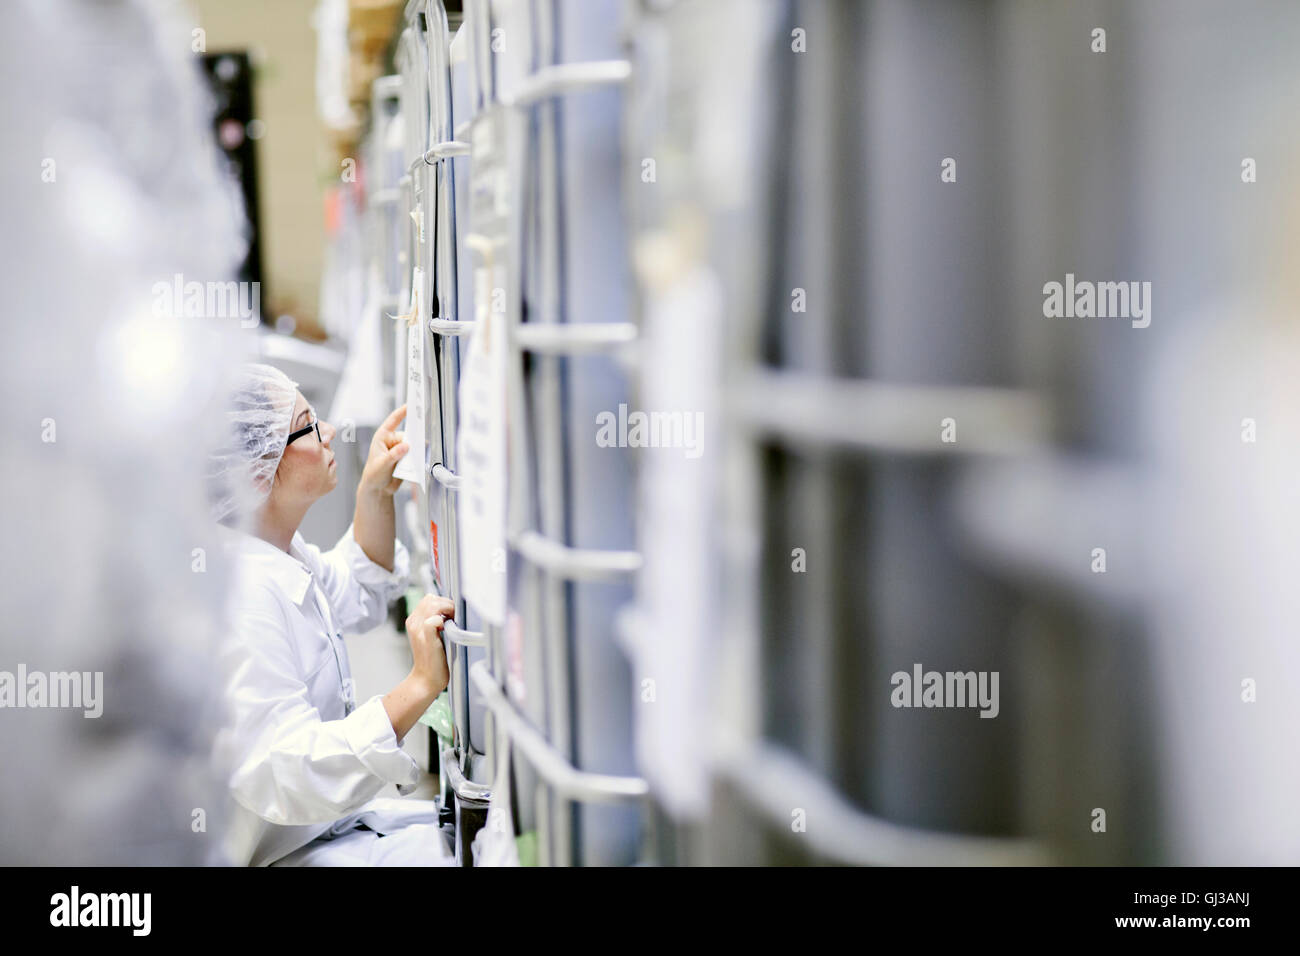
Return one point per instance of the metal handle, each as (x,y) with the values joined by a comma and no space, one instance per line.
(450,327)
(464,788)
(561,78)
(458,635)
(445,150)
(575,563)
(385,197)
(446,477)
(574,339)
(550,765)
(775,782)
(437,152)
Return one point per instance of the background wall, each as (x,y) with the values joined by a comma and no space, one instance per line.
(290,153)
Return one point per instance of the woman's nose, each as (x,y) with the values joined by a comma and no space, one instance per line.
(326,433)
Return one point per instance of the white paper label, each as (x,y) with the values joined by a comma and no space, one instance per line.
(414,465)
(481,447)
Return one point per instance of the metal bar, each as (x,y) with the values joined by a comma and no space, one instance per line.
(446,477)
(450,327)
(458,635)
(436,152)
(802,410)
(773,780)
(385,197)
(438,60)
(557,339)
(540,239)
(575,563)
(445,271)
(542,802)
(561,78)
(464,788)
(446,150)
(562,776)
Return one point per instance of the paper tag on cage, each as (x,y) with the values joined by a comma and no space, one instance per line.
(414,465)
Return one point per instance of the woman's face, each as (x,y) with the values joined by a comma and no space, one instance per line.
(307,470)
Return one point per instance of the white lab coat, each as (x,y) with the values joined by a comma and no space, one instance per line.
(306,762)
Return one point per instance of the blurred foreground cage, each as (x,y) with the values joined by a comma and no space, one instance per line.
(828,273)
(920,469)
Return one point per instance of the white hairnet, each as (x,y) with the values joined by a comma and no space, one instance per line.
(259,415)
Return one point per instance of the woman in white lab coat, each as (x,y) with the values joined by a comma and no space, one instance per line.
(307,763)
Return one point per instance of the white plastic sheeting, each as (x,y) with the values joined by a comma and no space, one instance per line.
(110,563)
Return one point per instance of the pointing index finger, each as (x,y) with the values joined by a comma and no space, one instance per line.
(392,421)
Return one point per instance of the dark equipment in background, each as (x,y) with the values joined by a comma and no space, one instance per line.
(236,129)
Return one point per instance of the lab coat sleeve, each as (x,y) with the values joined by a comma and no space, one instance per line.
(358,590)
(291,767)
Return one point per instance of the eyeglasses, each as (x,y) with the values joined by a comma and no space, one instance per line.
(294,436)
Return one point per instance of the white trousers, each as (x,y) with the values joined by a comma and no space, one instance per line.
(402,833)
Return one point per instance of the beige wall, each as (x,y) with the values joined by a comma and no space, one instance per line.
(290,153)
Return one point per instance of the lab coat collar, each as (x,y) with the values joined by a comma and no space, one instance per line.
(287,571)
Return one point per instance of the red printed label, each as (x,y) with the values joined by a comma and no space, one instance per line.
(433,538)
